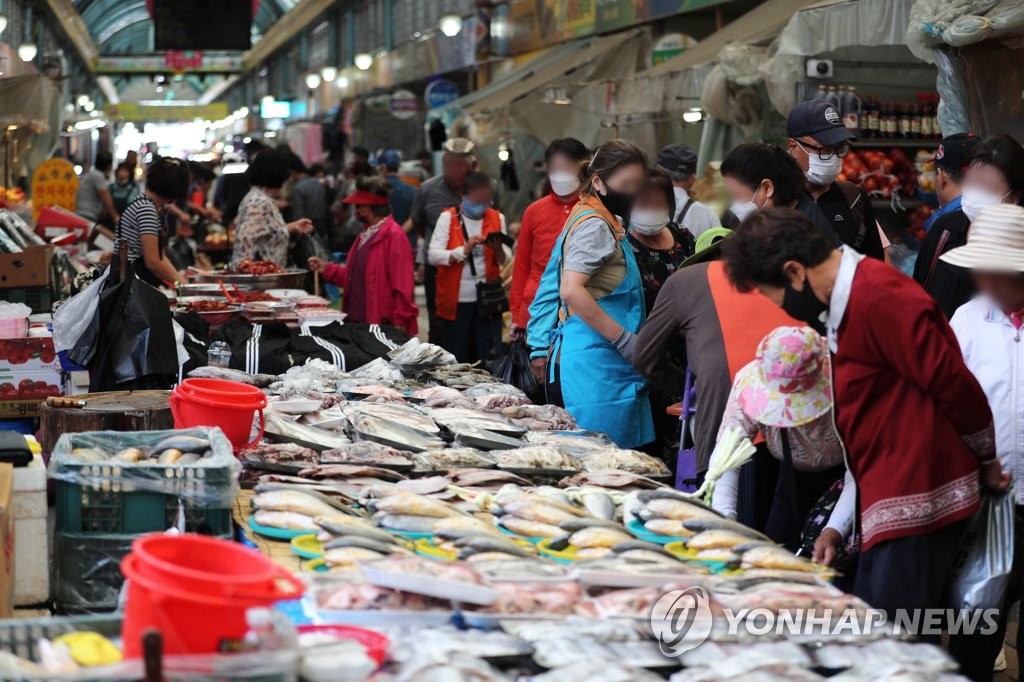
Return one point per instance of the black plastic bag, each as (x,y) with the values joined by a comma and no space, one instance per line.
(180,253)
(514,368)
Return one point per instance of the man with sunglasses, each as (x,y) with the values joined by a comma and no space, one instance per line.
(818,141)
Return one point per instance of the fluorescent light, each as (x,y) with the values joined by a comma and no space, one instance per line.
(312,81)
(329,73)
(267,99)
(89,125)
(692,116)
(363,61)
(27,51)
(451,25)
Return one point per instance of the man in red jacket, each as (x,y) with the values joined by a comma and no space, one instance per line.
(915,422)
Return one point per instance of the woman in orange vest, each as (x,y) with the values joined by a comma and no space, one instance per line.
(466,248)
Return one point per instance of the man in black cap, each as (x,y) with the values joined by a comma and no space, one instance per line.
(948,284)
(818,141)
(680,162)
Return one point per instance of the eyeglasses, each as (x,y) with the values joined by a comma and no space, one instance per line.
(826,153)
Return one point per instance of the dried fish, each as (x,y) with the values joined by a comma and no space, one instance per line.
(399,436)
(540,418)
(572,441)
(375,393)
(316,369)
(415,354)
(279,453)
(321,439)
(451,458)
(468,478)
(625,460)
(536,457)
(403,414)
(258,380)
(351,471)
(379,369)
(366,452)
(457,418)
(610,479)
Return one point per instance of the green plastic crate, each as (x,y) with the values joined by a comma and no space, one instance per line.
(89,509)
(39,299)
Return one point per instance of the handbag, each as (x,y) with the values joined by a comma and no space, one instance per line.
(491,300)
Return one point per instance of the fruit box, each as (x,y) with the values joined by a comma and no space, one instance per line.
(27,354)
(19,385)
(30,268)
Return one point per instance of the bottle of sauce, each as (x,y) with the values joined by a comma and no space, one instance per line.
(915,121)
(889,126)
(903,120)
(927,117)
(821,93)
(870,117)
(833,98)
(851,111)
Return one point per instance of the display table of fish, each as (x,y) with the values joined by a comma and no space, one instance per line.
(624,460)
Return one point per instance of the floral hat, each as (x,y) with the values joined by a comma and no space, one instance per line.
(788,384)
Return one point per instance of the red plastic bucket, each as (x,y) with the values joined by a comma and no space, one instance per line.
(211,566)
(190,621)
(234,405)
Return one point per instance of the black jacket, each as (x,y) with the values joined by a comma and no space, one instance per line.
(950,285)
(848,210)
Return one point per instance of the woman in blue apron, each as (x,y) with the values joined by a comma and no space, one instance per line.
(591,303)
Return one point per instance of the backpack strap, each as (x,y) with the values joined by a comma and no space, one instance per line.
(684,211)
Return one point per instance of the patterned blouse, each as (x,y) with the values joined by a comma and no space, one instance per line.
(260,231)
(657,264)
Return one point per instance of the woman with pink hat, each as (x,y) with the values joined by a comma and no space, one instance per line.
(785,395)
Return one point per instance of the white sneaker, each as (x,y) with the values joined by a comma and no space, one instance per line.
(1000,664)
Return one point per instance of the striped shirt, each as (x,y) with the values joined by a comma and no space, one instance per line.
(141,217)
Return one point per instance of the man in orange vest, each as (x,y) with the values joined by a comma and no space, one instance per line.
(467,250)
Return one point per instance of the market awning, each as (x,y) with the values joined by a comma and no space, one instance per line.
(758,25)
(25,101)
(543,72)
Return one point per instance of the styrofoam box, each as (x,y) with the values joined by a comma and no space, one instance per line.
(31,539)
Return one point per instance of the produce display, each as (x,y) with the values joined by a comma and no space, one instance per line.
(207,306)
(27,389)
(258,267)
(880,173)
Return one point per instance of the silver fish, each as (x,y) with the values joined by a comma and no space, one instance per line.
(698,525)
(396,435)
(183,443)
(322,439)
(258,380)
(293,501)
(406,523)
(344,526)
(371,544)
(599,504)
(286,520)
(366,452)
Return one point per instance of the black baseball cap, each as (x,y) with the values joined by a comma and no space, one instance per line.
(819,119)
(678,158)
(953,151)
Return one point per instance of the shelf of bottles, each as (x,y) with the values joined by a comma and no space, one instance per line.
(885,123)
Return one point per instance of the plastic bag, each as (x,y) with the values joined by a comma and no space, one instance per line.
(71,320)
(513,368)
(984,565)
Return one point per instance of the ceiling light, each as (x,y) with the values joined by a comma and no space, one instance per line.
(343,82)
(89,106)
(329,73)
(312,81)
(3,22)
(692,116)
(82,99)
(503,153)
(27,51)
(247,140)
(69,107)
(451,25)
(267,99)
(159,89)
(363,61)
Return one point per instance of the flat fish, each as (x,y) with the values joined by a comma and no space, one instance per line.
(406,415)
(425,486)
(396,435)
(366,452)
(322,439)
(454,418)
(285,520)
(610,479)
(477,477)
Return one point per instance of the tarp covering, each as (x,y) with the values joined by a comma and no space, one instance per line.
(25,101)
(827,27)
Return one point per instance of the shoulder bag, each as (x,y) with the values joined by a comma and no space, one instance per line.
(491,300)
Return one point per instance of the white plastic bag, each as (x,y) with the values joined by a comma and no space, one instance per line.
(73,317)
(984,565)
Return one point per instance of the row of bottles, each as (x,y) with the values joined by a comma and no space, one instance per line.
(874,119)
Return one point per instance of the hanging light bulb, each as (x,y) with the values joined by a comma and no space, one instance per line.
(329,73)
(363,61)
(89,106)
(27,51)
(312,81)
(451,25)
(267,100)
(3,22)
(343,82)
(503,153)
(82,99)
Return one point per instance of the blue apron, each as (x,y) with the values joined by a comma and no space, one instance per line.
(600,388)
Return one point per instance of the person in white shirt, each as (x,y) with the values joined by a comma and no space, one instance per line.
(989,328)
(680,162)
(467,248)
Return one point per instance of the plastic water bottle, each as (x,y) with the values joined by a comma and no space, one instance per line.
(219,354)
(269,630)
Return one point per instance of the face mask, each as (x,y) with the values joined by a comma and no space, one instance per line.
(804,306)
(742,209)
(823,172)
(363,218)
(619,203)
(563,184)
(648,223)
(474,210)
(973,200)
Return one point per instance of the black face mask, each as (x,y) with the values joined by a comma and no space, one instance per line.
(804,306)
(619,203)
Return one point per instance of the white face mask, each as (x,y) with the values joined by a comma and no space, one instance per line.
(648,223)
(973,200)
(742,209)
(823,172)
(564,183)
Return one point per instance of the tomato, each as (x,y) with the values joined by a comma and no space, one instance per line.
(26,384)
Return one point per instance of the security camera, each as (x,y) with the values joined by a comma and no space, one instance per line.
(819,68)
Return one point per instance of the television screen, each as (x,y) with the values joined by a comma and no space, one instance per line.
(202,24)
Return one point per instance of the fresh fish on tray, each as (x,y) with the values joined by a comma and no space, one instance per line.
(379,369)
(541,418)
(326,489)
(320,439)
(403,414)
(536,457)
(457,417)
(417,354)
(284,520)
(573,441)
(366,452)
(474,437)
(279,454)
(610,479)
(625,460)
(472,478)
(403,502)
(452,458)
(258,380)
(351,471)
(395,434)
(308,503)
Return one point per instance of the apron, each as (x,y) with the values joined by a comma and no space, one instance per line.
(600,388)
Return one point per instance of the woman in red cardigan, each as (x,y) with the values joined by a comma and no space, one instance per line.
(377,279)
(915,422)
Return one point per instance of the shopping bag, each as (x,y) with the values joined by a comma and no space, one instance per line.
(514,368)
(984,565)
(72,319)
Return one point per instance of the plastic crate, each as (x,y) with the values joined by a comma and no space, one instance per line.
(21,637)
(122,498)
(39,299)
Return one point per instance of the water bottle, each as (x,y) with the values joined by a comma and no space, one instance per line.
(219,355)
(268,630)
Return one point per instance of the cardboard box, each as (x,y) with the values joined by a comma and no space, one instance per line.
(30,268)
(28,354)
(21,385)
(7,539)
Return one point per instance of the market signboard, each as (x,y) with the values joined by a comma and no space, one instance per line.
(526,25)
(54,183)
(403,104)
(133,111)
(440,93)
(670,45)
